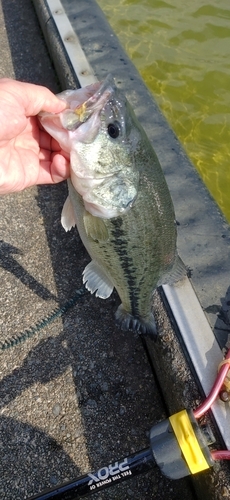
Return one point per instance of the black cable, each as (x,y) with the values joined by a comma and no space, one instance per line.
(21,337)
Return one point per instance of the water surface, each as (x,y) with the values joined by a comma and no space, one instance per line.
(182,50)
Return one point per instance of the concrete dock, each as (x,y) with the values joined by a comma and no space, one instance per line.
(79,393)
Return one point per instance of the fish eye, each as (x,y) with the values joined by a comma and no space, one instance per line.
(113,130)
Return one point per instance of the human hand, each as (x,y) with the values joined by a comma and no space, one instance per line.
(28,155)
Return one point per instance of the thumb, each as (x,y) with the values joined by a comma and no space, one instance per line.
(40,98)
(33,98)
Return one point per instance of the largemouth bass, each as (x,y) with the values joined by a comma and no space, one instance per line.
(119,200)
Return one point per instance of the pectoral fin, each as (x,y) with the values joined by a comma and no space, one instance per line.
(68,219)
(95,227)
(96,280)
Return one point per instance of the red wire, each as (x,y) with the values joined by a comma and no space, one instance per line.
(218,384)
(214,391)
(220,455)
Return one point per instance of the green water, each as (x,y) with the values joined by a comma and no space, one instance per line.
(182,50)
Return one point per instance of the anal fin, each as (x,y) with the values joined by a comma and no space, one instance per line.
(96,280)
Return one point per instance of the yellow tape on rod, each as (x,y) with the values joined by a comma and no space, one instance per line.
(188,443)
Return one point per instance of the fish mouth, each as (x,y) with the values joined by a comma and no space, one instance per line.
(92,102)
(97,100)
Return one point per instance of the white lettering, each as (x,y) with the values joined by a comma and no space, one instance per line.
(102,483)
(115,478)
(105,472)
(124,465)
(114,469)
(93,479)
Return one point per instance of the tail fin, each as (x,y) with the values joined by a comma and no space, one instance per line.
(139,324)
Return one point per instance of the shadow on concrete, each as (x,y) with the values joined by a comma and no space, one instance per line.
(29,54)
(38,366)
(222,324)
(10,264)
(31,448)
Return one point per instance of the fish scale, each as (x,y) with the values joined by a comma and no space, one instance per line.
(119,200)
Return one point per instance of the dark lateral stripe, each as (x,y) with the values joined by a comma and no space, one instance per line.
(120,245)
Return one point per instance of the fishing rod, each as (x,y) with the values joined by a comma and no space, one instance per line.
(179,446)
(105,477)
